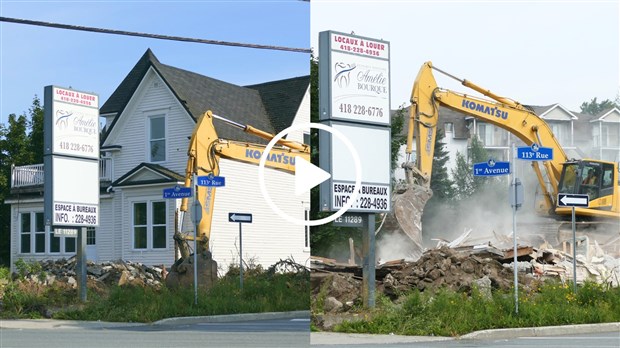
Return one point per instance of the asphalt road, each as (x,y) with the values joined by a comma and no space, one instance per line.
(595,340)
(256,333)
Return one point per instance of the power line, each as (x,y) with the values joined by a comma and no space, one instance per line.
(151,36)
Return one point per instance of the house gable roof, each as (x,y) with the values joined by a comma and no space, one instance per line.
(282,99)
(545,111)
(148,174)
(270,106)
(611,115)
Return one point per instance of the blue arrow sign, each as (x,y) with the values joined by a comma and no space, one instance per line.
(491,168)
(211,181)
(178,192)
(535,153)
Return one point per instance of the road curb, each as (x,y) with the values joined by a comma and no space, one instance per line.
(541,331)
(229,318)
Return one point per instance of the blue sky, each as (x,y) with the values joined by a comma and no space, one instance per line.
(33,57)
(536,52)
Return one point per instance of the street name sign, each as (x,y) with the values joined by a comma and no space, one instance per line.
(573,200)
(240,217)
(177,192)
(491,168)
(211,181)
(535,153)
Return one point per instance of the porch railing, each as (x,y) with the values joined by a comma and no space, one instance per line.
(33,174)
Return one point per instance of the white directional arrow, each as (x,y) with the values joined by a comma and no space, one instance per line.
(572,200)
(239,217)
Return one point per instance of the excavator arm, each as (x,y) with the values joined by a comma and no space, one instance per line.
(426,97)
(504,113)
(204,153)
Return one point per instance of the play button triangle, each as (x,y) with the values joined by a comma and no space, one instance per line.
(307,175)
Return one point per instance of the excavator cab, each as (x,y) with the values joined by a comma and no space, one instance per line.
(596,179)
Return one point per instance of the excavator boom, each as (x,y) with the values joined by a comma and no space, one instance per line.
(204,153)
(427,97)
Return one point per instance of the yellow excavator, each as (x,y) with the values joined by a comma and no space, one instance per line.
(204,153)
(558,175)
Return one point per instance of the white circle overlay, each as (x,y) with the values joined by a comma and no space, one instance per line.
(358,174)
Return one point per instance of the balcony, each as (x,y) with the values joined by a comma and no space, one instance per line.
(33,174)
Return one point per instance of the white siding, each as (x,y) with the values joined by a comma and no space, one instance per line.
(151,98)
(557,113)
(269,237)
(106,239)
(127,197)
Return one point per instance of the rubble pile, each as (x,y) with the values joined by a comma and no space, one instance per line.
(446,268)
(461,267)
(119,273)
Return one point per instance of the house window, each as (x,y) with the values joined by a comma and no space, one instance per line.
(157,137)
(54,242)
(39,234)
(90,236)
(149,225)
(611,135)
(25,233)
(139,225)
(449,127)
(561,131)
(70,244)
(35,240)
(306,229)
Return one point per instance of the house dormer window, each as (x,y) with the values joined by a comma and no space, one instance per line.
(157,138)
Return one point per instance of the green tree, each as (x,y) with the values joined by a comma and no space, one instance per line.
(399,138)
(463,178)
(21,143)
(440,207)
(477,154)
(594,107)
(441,184)
(36,130)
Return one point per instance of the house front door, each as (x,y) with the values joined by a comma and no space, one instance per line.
(91,244)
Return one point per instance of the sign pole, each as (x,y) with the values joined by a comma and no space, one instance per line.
(369,276)
(514,235)
(196,246)
(574,252)
(240,258)
(240,218)
(81,263)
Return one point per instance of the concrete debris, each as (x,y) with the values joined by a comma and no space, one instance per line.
(119,273)
(461,267)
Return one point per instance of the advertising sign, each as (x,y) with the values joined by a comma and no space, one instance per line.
(354,98)
(71,158)
(359,78)
(75,123)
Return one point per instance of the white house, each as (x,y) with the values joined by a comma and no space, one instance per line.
(150,117)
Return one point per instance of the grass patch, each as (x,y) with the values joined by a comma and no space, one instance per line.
(261,293)
(448,313)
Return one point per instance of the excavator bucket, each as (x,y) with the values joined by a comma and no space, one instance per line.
(408,202)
